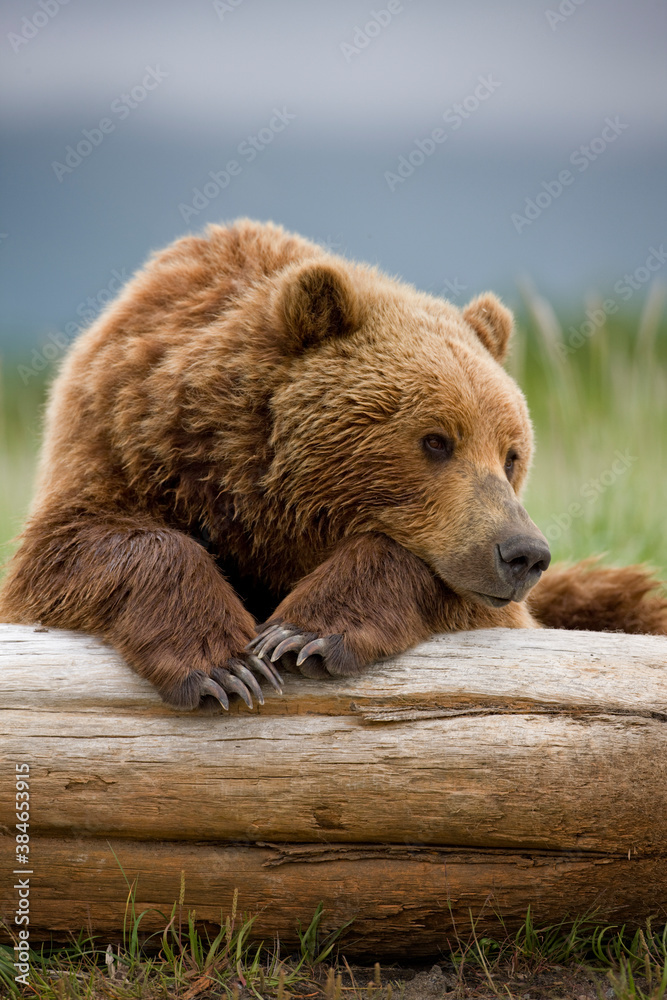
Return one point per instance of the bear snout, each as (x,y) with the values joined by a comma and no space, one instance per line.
(520,561)
(506,553)
(500,568)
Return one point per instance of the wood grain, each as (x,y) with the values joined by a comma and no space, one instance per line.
(549,782)
(48,670)
(405,901)
(529,765)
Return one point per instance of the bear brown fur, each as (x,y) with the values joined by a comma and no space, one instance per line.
(257,428)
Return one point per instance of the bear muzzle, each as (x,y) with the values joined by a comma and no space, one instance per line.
(501,567)
(519,562)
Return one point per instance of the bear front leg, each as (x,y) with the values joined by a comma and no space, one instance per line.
(150,591)
(370,599)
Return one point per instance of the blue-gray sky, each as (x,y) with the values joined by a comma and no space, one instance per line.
(516,93)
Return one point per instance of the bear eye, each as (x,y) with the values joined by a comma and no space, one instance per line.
(510,461)
(438,446)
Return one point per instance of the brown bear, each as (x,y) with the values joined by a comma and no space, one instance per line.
(258,429)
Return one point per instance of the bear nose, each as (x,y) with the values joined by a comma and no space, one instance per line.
(523,557)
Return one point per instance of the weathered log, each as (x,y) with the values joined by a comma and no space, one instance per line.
(486,771)
(404,900)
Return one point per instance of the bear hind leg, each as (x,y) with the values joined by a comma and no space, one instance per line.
(600,598)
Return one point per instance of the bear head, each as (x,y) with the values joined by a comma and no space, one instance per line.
(395,415)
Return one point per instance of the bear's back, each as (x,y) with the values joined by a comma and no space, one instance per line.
(195,280)
(144,340)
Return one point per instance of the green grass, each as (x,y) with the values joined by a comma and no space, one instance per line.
(20,418)
(605,399)
(186,960)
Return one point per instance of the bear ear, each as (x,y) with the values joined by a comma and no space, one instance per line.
(316,302)
(492,323)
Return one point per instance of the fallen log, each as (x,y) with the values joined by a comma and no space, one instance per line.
(480,773)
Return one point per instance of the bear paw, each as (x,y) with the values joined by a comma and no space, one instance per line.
(309,653)
(237,678)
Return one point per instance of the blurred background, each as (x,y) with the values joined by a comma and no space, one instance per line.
(461,146)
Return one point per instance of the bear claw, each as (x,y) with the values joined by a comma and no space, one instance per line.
(279,638)
(236,678)
(267,670)
(210,687)
(231,684)
(258,640)
(274,635)
(248,679)
(293,642)
(315,646)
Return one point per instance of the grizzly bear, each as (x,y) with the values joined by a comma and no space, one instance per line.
(258,429)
